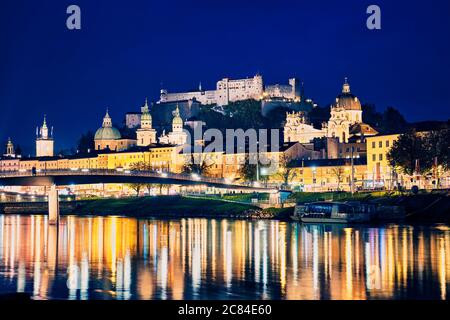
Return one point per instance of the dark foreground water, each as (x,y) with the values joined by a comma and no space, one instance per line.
(124,258)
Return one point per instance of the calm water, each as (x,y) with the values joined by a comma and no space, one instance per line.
(123,258)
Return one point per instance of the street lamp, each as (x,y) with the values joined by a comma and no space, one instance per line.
(314,178)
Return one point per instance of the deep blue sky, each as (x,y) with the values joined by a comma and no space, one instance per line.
(126,49)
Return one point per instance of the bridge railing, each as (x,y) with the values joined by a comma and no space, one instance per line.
(122,172)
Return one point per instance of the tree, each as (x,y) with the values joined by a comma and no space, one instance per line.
(86,142)
(248,170)
(393,121)
(339,174)
(286,169)
(149,187)
(136,187)
(372,116)
(437,144)
(18,150)
(141,166)
(319,115)
(245,114)
(276,118)
(406,151)
(200,165)
(160,186)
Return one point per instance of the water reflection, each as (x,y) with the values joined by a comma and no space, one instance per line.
(124,258)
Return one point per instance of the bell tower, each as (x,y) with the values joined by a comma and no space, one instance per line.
(146,135)
(10,151)
(44,141)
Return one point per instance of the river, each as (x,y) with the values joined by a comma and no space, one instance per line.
(126,258)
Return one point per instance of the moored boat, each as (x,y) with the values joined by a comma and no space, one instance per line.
(334,212)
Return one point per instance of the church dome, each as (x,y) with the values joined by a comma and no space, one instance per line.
(107,134)
(146,116)
(177,120)
(346,100)
(107,131)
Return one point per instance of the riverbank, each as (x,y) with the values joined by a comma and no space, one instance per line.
(426,207)
(167,206)
(158,207)
(420,208)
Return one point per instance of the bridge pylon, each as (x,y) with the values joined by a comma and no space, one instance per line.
(53,206)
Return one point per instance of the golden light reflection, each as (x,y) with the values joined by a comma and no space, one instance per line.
(124,258)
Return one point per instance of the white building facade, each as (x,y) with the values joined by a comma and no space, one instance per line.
(298,129)
(177,136)
(44,141)
(146,135)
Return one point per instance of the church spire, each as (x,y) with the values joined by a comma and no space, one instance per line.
(145,107)
(176,113)
(346,86)
(107,122)
(146,118)
(44,129)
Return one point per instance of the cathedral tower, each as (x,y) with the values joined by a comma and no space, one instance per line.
(345,113)
(177,136)
(10,151)
(146,135)
(177,122)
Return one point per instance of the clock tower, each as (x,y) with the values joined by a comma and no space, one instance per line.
(44,141)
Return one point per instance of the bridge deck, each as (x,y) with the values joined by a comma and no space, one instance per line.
(71,177)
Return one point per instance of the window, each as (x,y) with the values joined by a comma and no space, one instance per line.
(381,157)
(380,144)
(387,143)
(373,144)
(374,157)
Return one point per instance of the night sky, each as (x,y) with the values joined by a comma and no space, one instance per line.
(127,49)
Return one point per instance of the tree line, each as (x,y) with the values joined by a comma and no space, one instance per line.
(421,153)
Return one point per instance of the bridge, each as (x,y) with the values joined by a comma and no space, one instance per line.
(53,178)
(85,176)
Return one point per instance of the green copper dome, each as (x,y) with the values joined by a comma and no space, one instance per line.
(107,134)
(107,131)
(177,120)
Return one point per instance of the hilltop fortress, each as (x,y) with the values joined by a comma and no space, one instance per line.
(228,90)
